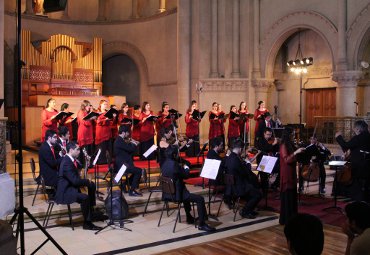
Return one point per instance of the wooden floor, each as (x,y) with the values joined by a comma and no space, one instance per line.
(269,241)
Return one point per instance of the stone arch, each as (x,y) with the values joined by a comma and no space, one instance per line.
(288,25)
(119,47)
(358,35)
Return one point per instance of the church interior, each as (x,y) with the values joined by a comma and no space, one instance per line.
(307,61)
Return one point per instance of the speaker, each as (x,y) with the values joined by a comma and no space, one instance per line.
(54,5)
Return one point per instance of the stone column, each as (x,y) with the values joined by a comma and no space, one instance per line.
(236,40)
(279,88)
(101,10)
(346,92)
(162,6)
(261,87)
(134,14)
(214,39)
(183,54)
(29,9)
(256,39)
(342,42)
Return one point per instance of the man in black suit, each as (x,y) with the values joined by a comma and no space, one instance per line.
(359,147)
(172,169)
(62,141)
(69,183)
(265,122)
(245,180)
(49,159)
(124,149)
(217,146)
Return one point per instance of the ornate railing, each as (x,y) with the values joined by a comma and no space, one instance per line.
(327,126)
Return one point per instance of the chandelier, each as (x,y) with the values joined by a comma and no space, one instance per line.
(299,64)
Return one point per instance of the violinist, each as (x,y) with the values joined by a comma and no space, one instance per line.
(103,131)
(217,147)
(264,122)
(192,129)
(146,130)
(233,131)
(48,118)
(244,121)
(85,127)
(216,122)
(66,121)
(124,149)
(259,115)
(62,141)
(268,146)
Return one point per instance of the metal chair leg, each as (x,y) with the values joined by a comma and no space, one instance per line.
(178,217)
(34,197)
(70,216)
(160,218)
(47,215)
(236,207)
(219,208)
(147,202)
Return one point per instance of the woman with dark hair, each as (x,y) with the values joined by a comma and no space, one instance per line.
(243,121)
(147,130)
(125,117)
(163,121)
(136,125)
(85,136)
(288,176)
(103,131)
(48,118)
(192,130)
(216,123)
(258,115)
(233,131)
(66,121)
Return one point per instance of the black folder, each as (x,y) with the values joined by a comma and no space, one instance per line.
(198,115)
(109,114)
(91,115)
(152,118)
(234,115)
(62,115)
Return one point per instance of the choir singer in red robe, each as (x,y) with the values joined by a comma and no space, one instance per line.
(48,118)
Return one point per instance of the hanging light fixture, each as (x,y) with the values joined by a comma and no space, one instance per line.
(300,64)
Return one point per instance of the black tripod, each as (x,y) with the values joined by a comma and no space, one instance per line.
(111,222)
(21,210)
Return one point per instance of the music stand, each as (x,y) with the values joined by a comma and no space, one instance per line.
(201,152)
(266,166)
(210,171)
(118,179)
(94,164)
(146,155)
(336,165)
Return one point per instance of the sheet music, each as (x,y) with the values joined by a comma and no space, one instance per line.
(337,163)
(150,151)
(210,168)
(121,172)
(267,164)
(97,157)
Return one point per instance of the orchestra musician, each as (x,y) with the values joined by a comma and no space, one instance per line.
(217,147)
(49,159)
(268,146)
(85,137)
(147,130)
(233,131)
(192,129)
(244,120)
(69,183)
(63,140)
(172,169)
(359,147)
(245,180)
(258,115)
(264,122)
(66,121)
(288,176)
(48,118)
(124,149)
(216,123)
(103,131)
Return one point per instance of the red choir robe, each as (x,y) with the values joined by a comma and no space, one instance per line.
(103,129)
(256,118)
(241,123)
(192,126)
(233,129)
(136,129)
(215,127)
(85,129)
(47,123)
(147,128)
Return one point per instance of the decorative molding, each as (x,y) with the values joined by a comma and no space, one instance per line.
(230,85)
(347,79)
(105,22)
(262,84)
(354,24)
(279,85)
(163,84)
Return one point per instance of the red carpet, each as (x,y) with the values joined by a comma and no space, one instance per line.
(312,205)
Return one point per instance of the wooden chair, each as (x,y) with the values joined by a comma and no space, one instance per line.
(168,188)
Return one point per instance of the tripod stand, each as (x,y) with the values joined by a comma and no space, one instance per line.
(21,210)
(111,222)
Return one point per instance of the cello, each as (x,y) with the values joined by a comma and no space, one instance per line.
(311,172)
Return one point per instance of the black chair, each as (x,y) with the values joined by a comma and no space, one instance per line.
(51,203)
(37,180)
(168,188)
(156,188)
(235,200)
